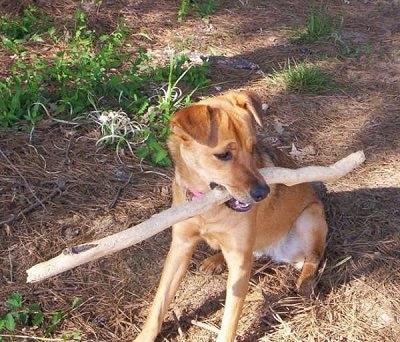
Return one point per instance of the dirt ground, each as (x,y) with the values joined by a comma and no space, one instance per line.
(357,298)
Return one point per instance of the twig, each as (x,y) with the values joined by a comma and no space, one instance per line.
(205,326)
(176,320)
(33,337)
(60,187)
(23,178)
(118,192)
(11,265)
(67,159)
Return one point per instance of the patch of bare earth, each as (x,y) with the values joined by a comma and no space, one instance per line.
(58,189)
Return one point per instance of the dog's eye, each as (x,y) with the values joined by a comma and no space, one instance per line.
(224,156)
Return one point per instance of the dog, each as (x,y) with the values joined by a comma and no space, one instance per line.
(213,143)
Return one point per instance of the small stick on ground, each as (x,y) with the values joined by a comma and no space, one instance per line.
(176,320)
(22,177)
(58,189)
(205,326)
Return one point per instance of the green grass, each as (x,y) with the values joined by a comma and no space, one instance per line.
(320,25)
(202,8)
(303,77)
(91,73)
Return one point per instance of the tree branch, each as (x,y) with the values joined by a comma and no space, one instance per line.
(78,255)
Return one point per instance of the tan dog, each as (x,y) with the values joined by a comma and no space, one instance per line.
(213,143)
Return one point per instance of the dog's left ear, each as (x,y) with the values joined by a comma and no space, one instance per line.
(249,101)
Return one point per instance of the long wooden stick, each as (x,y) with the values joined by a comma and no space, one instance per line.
(78,255)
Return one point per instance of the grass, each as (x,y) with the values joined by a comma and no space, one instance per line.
(303,77)
(92,73)
(202,8)
(319,25)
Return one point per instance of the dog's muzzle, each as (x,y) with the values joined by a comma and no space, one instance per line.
(257,193)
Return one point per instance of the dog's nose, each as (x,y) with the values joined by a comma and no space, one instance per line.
(259,192)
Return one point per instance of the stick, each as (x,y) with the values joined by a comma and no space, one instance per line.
(58,189)
(78,255)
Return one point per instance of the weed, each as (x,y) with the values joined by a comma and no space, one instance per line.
(184,10)
(167,100)
(205,7)
(319,26)
(93,74)
(117,129)
(356,51)
(31,315)
(29,26)
(202,8)
(304,77)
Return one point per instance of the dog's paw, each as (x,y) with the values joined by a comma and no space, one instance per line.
(306,287)
(145,336)
(214,264)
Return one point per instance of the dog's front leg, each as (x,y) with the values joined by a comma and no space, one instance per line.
(181,250)
(239,267)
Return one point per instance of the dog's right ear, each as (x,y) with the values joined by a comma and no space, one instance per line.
(195,122)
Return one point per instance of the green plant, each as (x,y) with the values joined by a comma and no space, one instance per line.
(118,129)
(183,9)
(319,26)
(93,74)
(19,29)
(81,69)
(31,315)
(304,77)
(202,8)
(21,92)
(148,129)
(356,51)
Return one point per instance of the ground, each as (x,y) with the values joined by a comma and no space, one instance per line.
(357,294)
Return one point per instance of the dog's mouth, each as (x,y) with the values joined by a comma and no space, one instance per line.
(233,203)
(236,205)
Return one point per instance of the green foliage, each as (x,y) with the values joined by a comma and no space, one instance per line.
(202,8)
(151,125)
(31,315)
(319,26)
(184,9)
(356,51)
(304,77)
(20,29)
(93,74)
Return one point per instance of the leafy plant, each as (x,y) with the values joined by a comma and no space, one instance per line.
(304,77)
(184,9)
(93,74)
(202,8)
(356,51)
(31,315)
(205,7)
(118,129)
(22,28)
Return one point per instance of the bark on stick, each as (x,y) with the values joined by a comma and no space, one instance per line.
(80,254)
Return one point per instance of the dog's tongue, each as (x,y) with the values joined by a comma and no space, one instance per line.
(237,205)
(196,195)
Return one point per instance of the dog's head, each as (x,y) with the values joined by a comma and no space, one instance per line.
(214,140)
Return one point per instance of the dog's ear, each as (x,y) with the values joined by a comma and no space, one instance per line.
(249,101)
(195,122)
